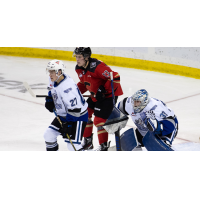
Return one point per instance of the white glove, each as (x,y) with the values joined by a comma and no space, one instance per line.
(150,114)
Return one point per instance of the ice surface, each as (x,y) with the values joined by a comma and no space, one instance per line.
(24,118)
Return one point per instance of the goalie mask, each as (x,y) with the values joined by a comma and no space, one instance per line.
(56,65)
(85,51)
(143,97)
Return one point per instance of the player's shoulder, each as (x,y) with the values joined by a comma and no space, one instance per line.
(123,106)
(153,104)
(67,85)
(128,103)
(93,64)
(128,100)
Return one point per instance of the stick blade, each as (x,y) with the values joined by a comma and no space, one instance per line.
(28,88)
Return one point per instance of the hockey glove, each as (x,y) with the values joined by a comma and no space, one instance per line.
(66,129)
(153,125)
(150,114)
(100,95)
(49,104)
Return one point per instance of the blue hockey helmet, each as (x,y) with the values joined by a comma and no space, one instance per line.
(142,96)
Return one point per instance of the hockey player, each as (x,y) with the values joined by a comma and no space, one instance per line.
(94,77)
(151,116)
(70,106)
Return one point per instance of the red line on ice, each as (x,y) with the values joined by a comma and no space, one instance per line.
(21,99)
(126,125)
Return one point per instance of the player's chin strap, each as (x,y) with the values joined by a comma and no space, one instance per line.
(86,64)
(58,77)
(62,126)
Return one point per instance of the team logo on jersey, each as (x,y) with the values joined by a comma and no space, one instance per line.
(55,98)
(93,64)
(106,74)
(140,124)
(57,62)
(163,115)
(67,90)
(154,107)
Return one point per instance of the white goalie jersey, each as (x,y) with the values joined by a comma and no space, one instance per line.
(161,111)
(68,100)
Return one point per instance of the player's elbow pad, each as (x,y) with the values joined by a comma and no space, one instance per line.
(121,106)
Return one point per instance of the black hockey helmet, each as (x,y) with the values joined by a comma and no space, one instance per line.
(85,51)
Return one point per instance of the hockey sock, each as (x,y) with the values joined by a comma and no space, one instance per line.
(88,129)
(51,146)
(102,135)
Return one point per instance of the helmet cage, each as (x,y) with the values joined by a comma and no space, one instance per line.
(143,97)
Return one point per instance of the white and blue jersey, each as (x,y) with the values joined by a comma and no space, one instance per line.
(163,114)
(70,107)
(69,102)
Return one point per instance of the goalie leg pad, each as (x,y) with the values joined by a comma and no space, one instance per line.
(129,140)
(154,143)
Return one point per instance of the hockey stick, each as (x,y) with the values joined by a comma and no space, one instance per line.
(62,126)
(117,135)
(28,88)
(33,95)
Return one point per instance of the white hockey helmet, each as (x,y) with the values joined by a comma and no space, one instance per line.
(143,96)
(56,65)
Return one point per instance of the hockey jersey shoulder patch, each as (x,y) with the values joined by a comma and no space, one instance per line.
(67,90)
(93,64)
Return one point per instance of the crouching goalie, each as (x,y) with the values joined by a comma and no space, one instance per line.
(157,125)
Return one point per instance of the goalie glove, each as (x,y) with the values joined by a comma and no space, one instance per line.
(150,114)
(152,123)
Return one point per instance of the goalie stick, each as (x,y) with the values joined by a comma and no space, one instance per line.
(117,135)
(28,88)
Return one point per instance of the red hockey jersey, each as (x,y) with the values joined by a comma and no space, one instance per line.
(98,73)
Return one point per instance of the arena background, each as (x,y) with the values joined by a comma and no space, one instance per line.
(184,61)
(169,74)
